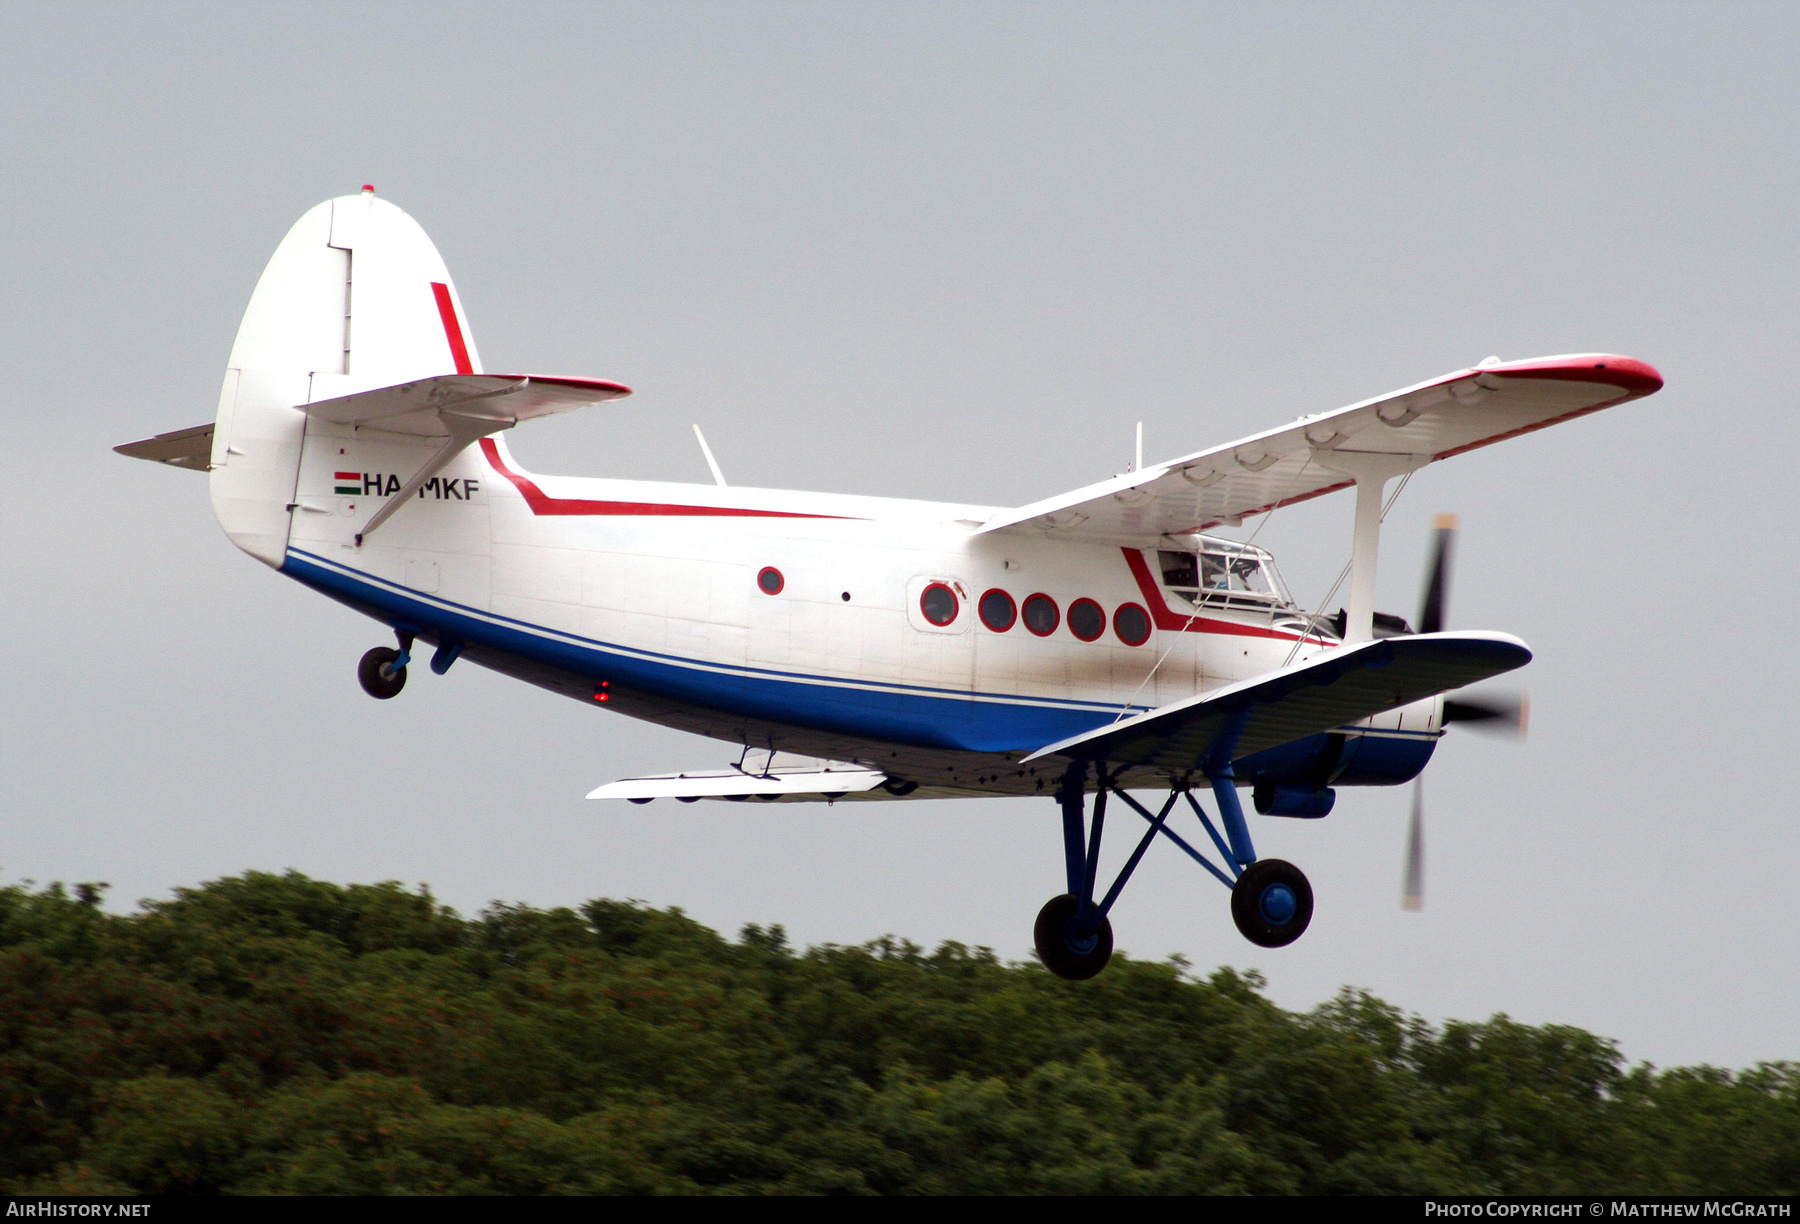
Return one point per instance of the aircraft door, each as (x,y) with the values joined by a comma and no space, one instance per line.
(939,649)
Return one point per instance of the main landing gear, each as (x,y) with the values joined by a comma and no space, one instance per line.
(1271,901)
(382,671)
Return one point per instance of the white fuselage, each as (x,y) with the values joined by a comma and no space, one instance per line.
(647,596)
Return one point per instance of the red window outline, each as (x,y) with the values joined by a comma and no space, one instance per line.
(1098,611)
(1012,610)
(1055,613)
(1138,608)
(763,586)
(955,605)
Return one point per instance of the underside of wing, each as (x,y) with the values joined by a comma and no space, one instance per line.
(1337,688)
(1433,420)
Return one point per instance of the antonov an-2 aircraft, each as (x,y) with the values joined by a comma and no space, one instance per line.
(1096,642)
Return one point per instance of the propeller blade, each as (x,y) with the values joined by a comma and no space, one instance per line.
(1501,713)
(1412,894)
(1437,578)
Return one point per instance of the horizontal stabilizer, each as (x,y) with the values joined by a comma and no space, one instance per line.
(735,784)
(1336,688)
(499,400)
(183,448)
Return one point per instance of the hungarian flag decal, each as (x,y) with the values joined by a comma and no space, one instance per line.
(349,482)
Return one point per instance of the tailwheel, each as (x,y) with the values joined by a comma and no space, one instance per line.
(1067,950)
(1272,903)
(382,672)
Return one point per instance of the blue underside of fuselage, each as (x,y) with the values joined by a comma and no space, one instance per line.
(902,714)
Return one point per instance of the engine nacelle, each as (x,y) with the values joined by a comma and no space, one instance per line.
(1297,779)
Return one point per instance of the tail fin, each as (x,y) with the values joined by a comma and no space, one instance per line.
(354,298)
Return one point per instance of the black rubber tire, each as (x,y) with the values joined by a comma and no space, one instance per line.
(369,672)
(1248,894)
(1075,960)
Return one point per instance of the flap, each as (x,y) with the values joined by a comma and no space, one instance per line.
(1337,687)
(183,448)
(1433,420)
(505,399)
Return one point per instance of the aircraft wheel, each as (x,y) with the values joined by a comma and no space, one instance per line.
(380,678)
(1065,951)
(1272,903)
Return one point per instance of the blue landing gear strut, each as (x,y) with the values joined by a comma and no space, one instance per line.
(1271,900)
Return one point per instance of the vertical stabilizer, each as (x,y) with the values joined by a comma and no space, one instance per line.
(354,298)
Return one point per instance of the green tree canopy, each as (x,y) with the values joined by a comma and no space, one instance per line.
(277,1034)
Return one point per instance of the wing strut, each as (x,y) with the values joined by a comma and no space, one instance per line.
(1371,470)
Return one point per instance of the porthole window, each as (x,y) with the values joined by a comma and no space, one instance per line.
(939,604)
(998,612)
(1132,624)
(769,581)
(1087,619)
(1041,615)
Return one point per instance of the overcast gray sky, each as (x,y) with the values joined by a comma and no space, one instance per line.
(949,251)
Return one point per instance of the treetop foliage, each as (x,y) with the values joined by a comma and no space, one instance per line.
(277,1034)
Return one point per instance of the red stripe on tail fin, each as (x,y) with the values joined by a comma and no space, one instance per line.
(452,328)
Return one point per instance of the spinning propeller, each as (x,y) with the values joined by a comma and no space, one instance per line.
(1502,713)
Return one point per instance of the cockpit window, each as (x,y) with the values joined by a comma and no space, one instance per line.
(1223,576)
(1180,569)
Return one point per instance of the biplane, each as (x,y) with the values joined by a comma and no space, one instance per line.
(1082,648)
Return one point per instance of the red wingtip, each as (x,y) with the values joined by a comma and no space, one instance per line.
(1635,378)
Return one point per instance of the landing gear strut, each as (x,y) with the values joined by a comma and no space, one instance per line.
(1271,901)
(382,670)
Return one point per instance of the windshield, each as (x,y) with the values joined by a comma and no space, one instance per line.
(1218,573)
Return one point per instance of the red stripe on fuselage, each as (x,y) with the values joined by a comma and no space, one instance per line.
(453,332)
(542,503)
(1168,619)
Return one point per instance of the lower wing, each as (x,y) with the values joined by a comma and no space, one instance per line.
(1338,687)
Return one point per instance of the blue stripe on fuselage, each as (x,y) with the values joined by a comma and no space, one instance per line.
(979,722)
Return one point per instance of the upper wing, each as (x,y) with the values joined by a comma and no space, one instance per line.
(1337,687)
(1431,421)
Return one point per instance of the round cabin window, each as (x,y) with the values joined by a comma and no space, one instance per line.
(1087,620)
(998,612)
(1041,615)
(939,604)
(769,581)
(1132,624)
